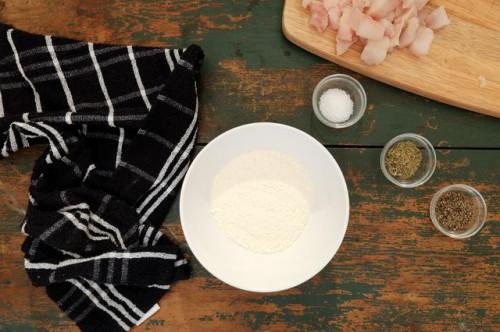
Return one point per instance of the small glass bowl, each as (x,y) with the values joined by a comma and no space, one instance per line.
(427,167)
(479,205)
(349,85)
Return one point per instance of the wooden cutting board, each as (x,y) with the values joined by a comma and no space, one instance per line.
(466,49)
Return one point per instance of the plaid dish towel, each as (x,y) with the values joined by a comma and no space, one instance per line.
(121,123)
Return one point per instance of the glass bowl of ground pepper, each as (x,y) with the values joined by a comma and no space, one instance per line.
(408,160)
(458,211)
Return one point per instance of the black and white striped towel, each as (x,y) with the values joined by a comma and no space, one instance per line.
(120,122)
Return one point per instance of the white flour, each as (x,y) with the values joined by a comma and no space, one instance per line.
(261,200)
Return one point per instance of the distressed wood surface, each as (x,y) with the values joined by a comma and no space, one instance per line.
(393,271)
(460,53)
(251,73)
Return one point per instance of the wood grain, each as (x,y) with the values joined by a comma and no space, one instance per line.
(251,72)
(463,51)
(393,272)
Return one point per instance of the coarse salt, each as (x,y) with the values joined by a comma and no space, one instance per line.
(482,81)
(336,105)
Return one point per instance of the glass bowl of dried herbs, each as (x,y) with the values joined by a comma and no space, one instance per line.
(408,160)
(458,211)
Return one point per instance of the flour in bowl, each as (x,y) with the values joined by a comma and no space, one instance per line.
(261,200)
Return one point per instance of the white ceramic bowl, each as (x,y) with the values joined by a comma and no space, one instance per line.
(314,248)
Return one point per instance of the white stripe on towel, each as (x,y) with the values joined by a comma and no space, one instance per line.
(177,55)
(103,85)
(57,65)
(21,70)
(120,255)
(2,114)
(125,300)
(147,236)
(98,303)
(111,302)
(169,60)
(138,77)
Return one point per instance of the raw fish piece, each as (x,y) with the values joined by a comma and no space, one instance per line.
(398,11)
(379,25)
(391,16)
(388,28)
(342,46)
(345,31)
(407,3)
(334,16)
(329,4)
(420,4)
(375,51)
(405,15)
(394,41)
(422,16)
(410,33)
(380,8)
(422,43)
(356,17)
(437,19)
(344,3)
(361,4)
(319,16)
(370,29)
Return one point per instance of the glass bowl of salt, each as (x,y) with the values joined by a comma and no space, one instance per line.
(339,101)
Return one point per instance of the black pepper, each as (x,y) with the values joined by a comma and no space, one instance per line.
(455,211)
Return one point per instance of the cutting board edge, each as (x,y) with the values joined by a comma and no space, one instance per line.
(381,78)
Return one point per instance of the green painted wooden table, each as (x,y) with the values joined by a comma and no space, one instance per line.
(394,271)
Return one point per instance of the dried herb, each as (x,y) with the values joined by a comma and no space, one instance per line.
(455,210)
(403,160)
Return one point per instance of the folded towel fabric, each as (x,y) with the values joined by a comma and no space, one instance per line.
(121,123)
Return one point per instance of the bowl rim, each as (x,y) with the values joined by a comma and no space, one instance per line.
(351,121)
(469,232)
(312,273)
(428,146)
